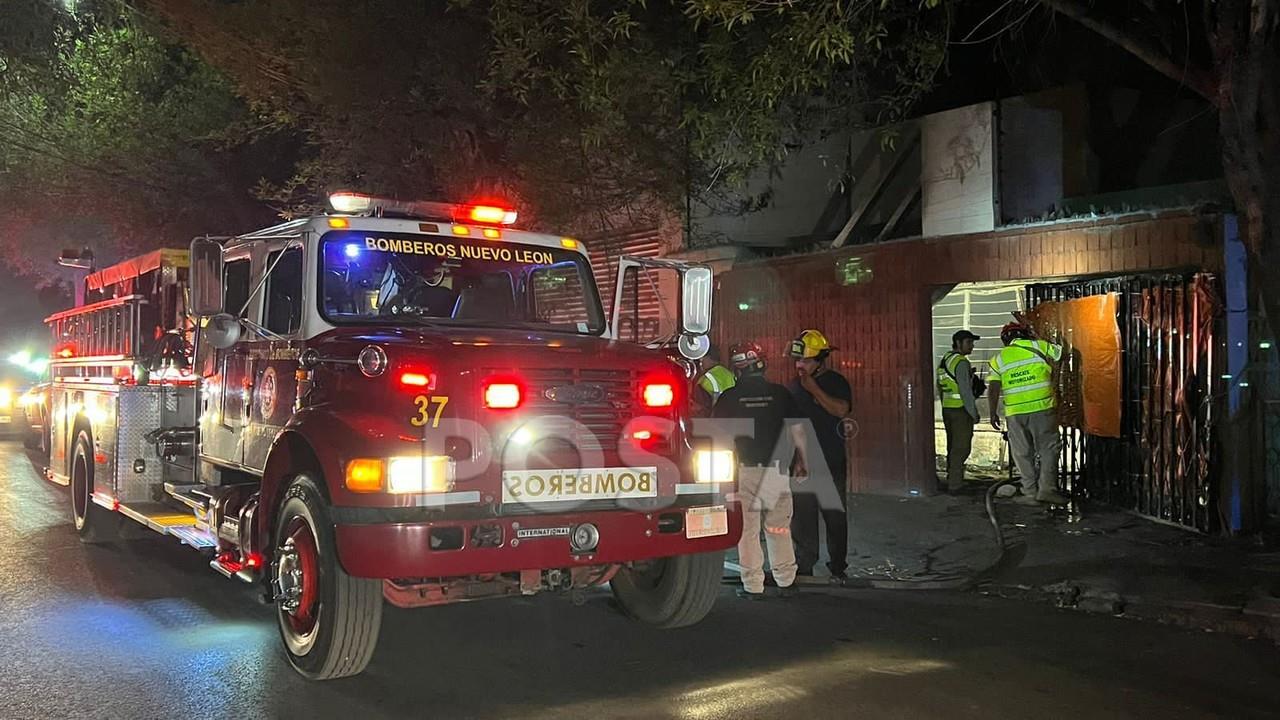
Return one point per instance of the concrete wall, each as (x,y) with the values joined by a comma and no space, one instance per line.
(958,174)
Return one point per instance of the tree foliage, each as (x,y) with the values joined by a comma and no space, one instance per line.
(588,111)
(725,85)
(1227,51)
(139,122)
(109,136)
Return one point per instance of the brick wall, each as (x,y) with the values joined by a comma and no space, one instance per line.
(873,302)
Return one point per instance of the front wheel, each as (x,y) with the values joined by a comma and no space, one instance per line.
(329,621)
(670,592)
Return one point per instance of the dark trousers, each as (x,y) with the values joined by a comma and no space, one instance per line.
(828,502)
(959,425)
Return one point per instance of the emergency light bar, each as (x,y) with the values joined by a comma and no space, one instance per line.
(349,203)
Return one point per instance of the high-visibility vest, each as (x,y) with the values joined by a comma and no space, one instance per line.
(1025,377)
(716,380)
(948,380)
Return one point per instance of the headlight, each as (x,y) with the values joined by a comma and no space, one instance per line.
(714,466)
(6,398)
(431,474)
(401,475)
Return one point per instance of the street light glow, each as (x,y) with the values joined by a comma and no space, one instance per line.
(25,360)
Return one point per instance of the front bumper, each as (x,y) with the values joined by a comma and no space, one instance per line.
(370,546)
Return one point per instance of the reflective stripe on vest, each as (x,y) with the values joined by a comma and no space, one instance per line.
(948,380)
(1026,380)
(716,380)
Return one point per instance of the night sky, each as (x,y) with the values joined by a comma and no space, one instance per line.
(22,308)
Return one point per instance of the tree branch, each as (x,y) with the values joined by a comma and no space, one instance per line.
(1200,80)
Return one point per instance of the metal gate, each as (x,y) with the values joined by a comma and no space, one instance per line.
(1265,361)
(1162,465)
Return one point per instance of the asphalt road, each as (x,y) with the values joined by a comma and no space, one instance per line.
(146,630)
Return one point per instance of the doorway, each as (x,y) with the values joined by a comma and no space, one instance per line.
(981,308)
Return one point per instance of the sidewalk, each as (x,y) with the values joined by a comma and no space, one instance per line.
(1095,559)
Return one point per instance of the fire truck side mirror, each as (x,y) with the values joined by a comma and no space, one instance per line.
(222,331)
(206,277)
(695,300)
(695,311)
(694,347)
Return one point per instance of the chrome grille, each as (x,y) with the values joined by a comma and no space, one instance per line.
(604,417)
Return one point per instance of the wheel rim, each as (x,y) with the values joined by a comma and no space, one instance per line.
(298,584)
(648,574)
(79,487)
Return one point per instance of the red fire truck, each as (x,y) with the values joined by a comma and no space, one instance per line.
(401,401)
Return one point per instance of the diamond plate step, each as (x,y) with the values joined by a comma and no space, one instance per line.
(195,537)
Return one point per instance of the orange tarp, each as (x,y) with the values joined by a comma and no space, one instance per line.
(1089,388)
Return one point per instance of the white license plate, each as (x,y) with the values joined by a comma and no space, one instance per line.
(540,486)
(706,522)
(5,419)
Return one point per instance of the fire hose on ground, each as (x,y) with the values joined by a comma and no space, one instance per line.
(1008,558)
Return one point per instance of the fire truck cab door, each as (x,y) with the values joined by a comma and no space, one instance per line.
(274,359)
(228,391)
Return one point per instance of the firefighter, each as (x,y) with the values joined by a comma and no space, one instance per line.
(712,380)
(763,487)
(1023,374)
(959,407)
(823,397)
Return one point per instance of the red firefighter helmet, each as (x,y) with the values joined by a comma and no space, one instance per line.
(746,357)
(1016,331)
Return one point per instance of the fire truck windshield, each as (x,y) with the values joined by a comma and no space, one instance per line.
(397,277)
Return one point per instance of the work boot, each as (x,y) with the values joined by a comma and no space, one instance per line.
(788,592)
(839,579)
(1052,497)
(744,594)
(1028,500)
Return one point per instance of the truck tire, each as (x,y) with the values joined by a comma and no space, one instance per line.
(670,592)
(328,620)
(94,523)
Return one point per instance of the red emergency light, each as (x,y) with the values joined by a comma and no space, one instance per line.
(351,203)
(491,215)
(504,395)
(658,394)
(418,379)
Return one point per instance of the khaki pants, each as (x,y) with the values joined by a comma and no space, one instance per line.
(765,493)
(959,425)
(1035,443)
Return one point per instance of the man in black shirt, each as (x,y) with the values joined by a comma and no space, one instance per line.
(823,396)
(763,487)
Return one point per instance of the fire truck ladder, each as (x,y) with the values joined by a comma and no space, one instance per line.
(97,336)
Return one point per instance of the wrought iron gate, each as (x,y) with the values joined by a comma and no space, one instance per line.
(1163,464)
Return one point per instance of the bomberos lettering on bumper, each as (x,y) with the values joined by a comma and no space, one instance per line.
(531,486)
